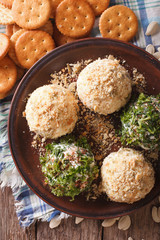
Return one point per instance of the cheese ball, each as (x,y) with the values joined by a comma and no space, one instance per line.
(69,167)
(104,86)
(51,111)
(126,176)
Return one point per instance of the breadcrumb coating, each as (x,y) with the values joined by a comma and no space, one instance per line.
(104,86)
(51,111)
(126,176)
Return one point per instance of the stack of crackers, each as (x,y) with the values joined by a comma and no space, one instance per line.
(30,33)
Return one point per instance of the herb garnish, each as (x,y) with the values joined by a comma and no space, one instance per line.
(141,123)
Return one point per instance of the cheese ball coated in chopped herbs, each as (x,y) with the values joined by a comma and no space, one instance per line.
(69,167)
(126,176)
(51,111)
(104,86)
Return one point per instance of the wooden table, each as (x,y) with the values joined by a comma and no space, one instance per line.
(142,226)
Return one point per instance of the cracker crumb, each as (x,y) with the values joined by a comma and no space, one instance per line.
(138,81)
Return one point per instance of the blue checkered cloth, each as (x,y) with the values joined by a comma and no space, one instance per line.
(29,207)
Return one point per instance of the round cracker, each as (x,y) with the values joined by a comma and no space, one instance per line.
(31,46)
(13,40)
(74,18)
(3,95)
(54,5)
(99,6)
(118,22)
(7,3)
(47,27)
(4,43)
(31,14)
(61,39)
(20,73)
(16,28)
(9,30)
(8,75)
(6,15)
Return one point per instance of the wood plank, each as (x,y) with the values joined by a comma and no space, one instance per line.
(9,226)
(87,230)
(142,227)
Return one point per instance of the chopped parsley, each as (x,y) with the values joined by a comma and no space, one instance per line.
(141,123)
(69,167)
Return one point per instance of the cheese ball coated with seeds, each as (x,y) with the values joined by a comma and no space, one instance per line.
(104,86)
(51,111)
(126,176)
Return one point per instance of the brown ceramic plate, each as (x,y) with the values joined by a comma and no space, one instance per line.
(26,159)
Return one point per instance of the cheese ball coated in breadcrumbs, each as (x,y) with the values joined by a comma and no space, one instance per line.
(126,176)
(104,86)
(51,111)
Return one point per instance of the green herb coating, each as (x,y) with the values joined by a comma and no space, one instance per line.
(69,167)
(141,123)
